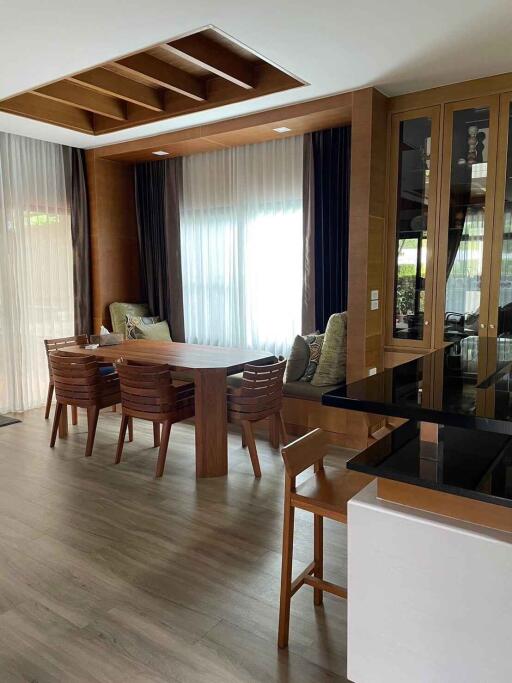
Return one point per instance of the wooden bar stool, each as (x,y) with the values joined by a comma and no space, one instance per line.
(259,396)
(79,382)
(147,392)
(325,494)
(54,345)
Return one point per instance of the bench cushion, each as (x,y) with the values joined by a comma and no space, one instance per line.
(332,365)
(306,390)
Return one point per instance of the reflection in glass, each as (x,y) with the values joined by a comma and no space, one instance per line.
(411,227)
(466,226)
(505,298)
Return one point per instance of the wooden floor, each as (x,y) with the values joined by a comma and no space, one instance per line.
(109,576)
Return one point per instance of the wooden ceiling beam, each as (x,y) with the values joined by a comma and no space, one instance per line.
(49,111)
(109,83)
(164,75)
(75,95)
(214,57)
(220,92)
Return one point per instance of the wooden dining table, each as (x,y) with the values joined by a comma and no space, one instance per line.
(209,367)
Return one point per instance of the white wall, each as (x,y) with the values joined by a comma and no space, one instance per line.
(430,599)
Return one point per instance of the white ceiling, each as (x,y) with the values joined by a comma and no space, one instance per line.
(397,45)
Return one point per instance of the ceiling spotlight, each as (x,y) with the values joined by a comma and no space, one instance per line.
(282,129)
(160,153)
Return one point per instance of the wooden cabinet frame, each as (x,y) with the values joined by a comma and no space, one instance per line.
(492,103)
(499,213)
(433,113)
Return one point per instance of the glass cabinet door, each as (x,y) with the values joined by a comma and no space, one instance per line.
(500,295)
(466,224)
(412,217)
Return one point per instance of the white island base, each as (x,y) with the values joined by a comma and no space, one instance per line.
(429,599)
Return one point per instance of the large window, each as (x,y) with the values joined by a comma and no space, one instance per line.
(241,245)
(36,266)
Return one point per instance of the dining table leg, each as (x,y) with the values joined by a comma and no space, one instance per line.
(211,423)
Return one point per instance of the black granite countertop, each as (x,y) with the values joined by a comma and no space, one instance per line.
(444,387)
(469,463)
(467,391)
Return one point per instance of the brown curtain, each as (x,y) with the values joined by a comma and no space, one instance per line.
(157,196)
(174,191)
(76,190)
(308,282)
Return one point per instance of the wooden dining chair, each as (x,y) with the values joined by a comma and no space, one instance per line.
(148,393)
(325,494)
(54,345)
(79,382)
(260,396)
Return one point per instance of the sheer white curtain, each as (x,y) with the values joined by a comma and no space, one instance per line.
(463,284)
(241,245)
(36,266)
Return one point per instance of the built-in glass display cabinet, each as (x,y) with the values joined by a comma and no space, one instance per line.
(500,291)
(413,179)
(466,224)
(450,230)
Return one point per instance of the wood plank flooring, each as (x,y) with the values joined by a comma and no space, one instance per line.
(109,576)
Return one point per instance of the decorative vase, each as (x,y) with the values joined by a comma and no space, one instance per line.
(472,143)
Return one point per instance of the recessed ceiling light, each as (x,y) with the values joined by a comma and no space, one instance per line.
(160,153)
(282,129)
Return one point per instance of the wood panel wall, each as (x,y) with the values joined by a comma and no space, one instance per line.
(365,343)
(114,249)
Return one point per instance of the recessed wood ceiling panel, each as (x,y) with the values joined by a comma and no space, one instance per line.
(253,128)
(199,71)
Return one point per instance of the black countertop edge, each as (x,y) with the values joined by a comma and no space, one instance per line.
(409,412)
(434,486)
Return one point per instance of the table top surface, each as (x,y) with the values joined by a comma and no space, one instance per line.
(462,385)
(179,356)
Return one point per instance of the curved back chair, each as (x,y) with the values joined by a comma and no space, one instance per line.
(54,345)
(260,396)
(147,393)
(79,382)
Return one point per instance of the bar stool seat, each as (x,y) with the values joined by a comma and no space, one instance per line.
(325,494)
(329,491)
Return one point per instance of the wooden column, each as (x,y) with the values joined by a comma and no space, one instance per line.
(365,330)
(114,246)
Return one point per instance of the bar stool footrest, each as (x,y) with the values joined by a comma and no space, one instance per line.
(301,578)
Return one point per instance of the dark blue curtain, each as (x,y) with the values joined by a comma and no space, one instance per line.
(331,165)
(157,192)
(150,179)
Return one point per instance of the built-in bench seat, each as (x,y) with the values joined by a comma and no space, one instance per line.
(302,406)
(305,390)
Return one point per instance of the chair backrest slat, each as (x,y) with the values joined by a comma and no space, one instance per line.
(261,391)
(305,452)
(78,379)
(148,390)
(61,343)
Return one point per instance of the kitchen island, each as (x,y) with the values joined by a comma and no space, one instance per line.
(430,540)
